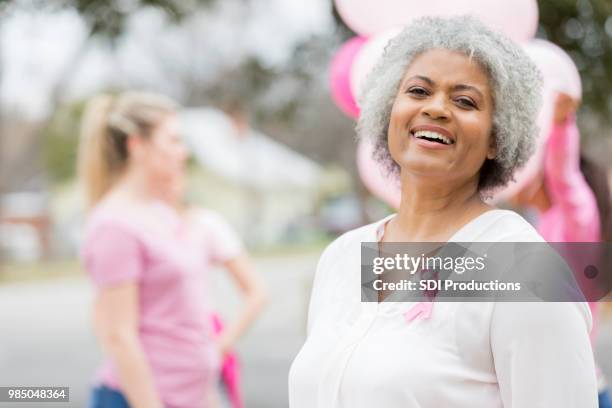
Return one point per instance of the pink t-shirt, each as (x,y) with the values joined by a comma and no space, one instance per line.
(573,215)
(169,257)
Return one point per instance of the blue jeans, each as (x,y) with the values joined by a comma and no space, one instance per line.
(604,399)
(105,397)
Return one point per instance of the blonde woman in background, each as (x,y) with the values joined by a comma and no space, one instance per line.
(152,311)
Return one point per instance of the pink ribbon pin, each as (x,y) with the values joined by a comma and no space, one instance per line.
(422,309)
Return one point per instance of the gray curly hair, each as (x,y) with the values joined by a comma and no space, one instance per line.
(515,80)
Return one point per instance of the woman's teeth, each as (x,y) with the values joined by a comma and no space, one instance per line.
(433,137)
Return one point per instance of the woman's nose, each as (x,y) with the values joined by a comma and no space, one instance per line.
(436,108)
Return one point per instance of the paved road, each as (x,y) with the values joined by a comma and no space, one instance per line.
(46,338)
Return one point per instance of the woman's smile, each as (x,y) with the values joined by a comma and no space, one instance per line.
(432,137)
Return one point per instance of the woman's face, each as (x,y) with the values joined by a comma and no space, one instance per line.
(441,120)
(162,156)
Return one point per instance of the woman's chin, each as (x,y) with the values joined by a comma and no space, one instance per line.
(426,167)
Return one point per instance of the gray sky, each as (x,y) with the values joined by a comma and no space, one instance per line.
(37,46)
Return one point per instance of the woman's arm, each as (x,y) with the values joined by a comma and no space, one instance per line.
(116,325)
(243,273)
(113,256)
(565,183)
(542,355)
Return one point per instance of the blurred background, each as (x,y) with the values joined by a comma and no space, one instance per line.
(253,78)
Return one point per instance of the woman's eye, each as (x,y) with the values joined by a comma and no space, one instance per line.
(466,102)
(416,90)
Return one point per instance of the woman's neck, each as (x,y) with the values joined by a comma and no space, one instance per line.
(135,187)
(434,212)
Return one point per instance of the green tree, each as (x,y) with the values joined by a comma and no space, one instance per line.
(105,20)
(60,142)
(583,28)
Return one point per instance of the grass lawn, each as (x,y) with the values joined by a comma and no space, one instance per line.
(43,270)
(31,271)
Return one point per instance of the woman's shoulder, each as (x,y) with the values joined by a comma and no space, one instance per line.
(365,233)
(206,216)
(105,215)
(103,227)
(216,230)
(351,240)
(120,217)
(345,250)
(500,225)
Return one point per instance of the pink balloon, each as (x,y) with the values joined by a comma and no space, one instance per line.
(367,58)
(373,177)
(518,19)
(366,18)
(339,78)
(559,71)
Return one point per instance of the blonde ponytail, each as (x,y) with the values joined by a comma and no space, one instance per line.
(107,123)
(95,162)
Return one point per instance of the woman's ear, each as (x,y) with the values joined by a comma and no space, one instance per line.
(134,145)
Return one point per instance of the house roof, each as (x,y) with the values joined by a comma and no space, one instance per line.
(252,159)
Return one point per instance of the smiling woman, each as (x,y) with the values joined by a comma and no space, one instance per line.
(451,107)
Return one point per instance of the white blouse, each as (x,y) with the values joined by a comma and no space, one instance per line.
(463,354)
